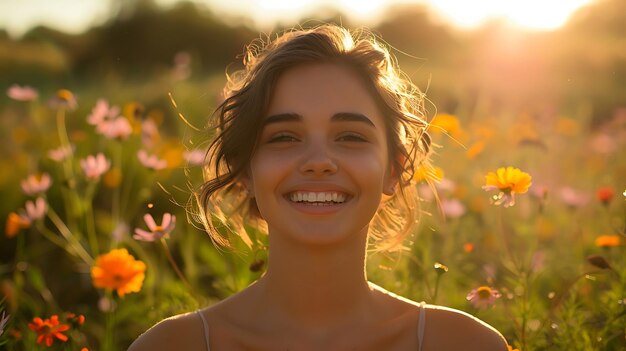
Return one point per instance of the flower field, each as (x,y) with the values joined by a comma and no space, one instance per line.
(522,218)
(522,224)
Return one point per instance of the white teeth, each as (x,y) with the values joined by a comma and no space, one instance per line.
(313,197)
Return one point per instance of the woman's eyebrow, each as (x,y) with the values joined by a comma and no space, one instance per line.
(352,117)
(337,117)
(281,117)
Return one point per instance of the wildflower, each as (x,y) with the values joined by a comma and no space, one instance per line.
(61,153)
(151,161)
(483,296)
(117,128)
(22,93)
(101,112)
(475,150)
(452,208)
(15,223)
(74,319)
(605,195)
(510,348)
(49,329)
(95,166)
(508,181)
(194,157)
(468,247)
(440,268)
(119,271)
(64,99)
(149,132)
(573,198)
(598,261)
(448,124)
(156,231)
(36,184)
(3,321)
(113,178)
(608,241)
(428,173)
(36,210)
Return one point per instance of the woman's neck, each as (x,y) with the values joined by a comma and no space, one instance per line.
(316,287)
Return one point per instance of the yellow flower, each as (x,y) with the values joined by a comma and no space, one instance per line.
(475,150)
(428,173)
(118,270)
(447,123)
(509,181)
(608,241)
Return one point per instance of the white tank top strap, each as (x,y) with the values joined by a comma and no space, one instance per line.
(205,329)
(421,325)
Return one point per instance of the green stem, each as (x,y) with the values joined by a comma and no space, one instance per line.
(174,265)
(67,234)
(91,224)
(436,288)
(108,342)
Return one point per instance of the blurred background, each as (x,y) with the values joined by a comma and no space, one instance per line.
(561,53)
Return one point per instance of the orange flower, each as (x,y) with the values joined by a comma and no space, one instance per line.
(49,329)
(510,348)
(608,241)
(468,247)
(605,194)
(118,270)
(509,181)
(15,223)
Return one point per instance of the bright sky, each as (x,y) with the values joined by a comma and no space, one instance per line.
(17,16)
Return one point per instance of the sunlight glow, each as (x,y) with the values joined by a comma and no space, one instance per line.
(532,14)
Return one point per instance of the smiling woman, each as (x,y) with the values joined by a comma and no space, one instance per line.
(318,138)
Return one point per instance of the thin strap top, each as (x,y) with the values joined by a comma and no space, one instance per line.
(421,325)
(205,329)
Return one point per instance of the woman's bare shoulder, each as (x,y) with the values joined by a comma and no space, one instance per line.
(181,332)
(448,328)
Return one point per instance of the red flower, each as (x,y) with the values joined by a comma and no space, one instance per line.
(49,329)
(605,194)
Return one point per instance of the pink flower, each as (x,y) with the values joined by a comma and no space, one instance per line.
(118,128)
(156,231)
(36,184)
(149,132)
(36,210)
(452,208)
(483,297)
(573,197)
(151,161)
(61,153)
(24,93)
(195,157)
(63,99)
(95,166)
(101,112)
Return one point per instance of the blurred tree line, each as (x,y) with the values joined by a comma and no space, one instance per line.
(584,61)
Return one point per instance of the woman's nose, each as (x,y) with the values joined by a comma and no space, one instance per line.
(318,160)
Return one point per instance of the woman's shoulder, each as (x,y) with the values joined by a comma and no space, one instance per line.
(181,332)
(448,328)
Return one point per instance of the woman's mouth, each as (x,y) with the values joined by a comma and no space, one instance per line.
(317,198)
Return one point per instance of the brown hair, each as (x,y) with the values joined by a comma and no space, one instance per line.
(223,200)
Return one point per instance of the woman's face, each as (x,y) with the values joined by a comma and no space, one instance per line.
(322,160)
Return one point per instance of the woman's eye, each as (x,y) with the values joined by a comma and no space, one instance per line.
(352,137)
(282,138)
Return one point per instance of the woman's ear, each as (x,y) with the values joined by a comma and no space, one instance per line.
(248,184)
(393,175)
